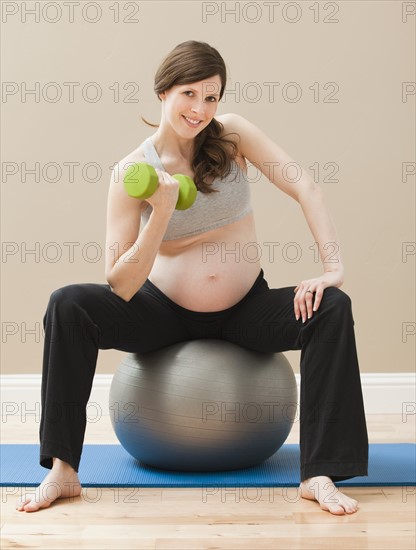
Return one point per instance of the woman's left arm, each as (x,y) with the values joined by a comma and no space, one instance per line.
(271,159)
(323,229)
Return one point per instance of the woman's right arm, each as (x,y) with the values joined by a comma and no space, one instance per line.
(130,255)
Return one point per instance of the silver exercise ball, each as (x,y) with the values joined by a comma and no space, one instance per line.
(203,405)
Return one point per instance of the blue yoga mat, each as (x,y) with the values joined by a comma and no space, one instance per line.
(112,466)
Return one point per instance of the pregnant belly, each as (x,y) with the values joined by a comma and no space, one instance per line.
(209,272)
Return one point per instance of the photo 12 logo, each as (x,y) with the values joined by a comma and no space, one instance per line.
(70,12)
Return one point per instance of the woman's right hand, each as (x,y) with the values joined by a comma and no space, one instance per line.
(165,197)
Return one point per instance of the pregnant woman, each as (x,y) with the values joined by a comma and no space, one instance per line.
(176,275)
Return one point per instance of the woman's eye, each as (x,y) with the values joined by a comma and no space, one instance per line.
(211,98)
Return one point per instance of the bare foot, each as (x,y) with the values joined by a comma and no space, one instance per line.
(61,482)
(322,489)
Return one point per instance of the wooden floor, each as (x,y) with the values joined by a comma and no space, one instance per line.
(263,518)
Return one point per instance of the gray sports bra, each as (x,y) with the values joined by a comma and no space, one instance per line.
(210,210)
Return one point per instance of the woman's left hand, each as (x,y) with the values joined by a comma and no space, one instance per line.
(303,300)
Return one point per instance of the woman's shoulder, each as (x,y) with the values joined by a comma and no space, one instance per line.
(229,121)
(137,155)
(236,123)
(231,125)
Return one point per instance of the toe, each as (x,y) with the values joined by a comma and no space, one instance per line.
(350,505)
(336,509)
(31,507)
(351,509)
(21,503)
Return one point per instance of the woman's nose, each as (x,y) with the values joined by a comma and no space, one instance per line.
(199,108)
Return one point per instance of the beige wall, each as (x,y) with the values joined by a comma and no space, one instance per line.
(352,127)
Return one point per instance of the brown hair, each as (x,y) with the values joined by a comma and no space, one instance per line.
(189,62)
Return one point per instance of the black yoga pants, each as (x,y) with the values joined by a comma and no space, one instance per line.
(81,319)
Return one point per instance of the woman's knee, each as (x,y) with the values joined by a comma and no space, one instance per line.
(68,316)
(337,301)
(337,295)
(64,294)
(81,294)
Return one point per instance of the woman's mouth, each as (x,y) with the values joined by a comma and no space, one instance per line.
(191,122)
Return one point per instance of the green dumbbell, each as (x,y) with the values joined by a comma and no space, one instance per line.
(141,181)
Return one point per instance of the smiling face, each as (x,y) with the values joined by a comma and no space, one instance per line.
(189,108)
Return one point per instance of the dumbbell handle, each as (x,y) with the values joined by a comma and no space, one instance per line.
(141,181)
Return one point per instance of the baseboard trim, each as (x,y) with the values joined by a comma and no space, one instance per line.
(384,393)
